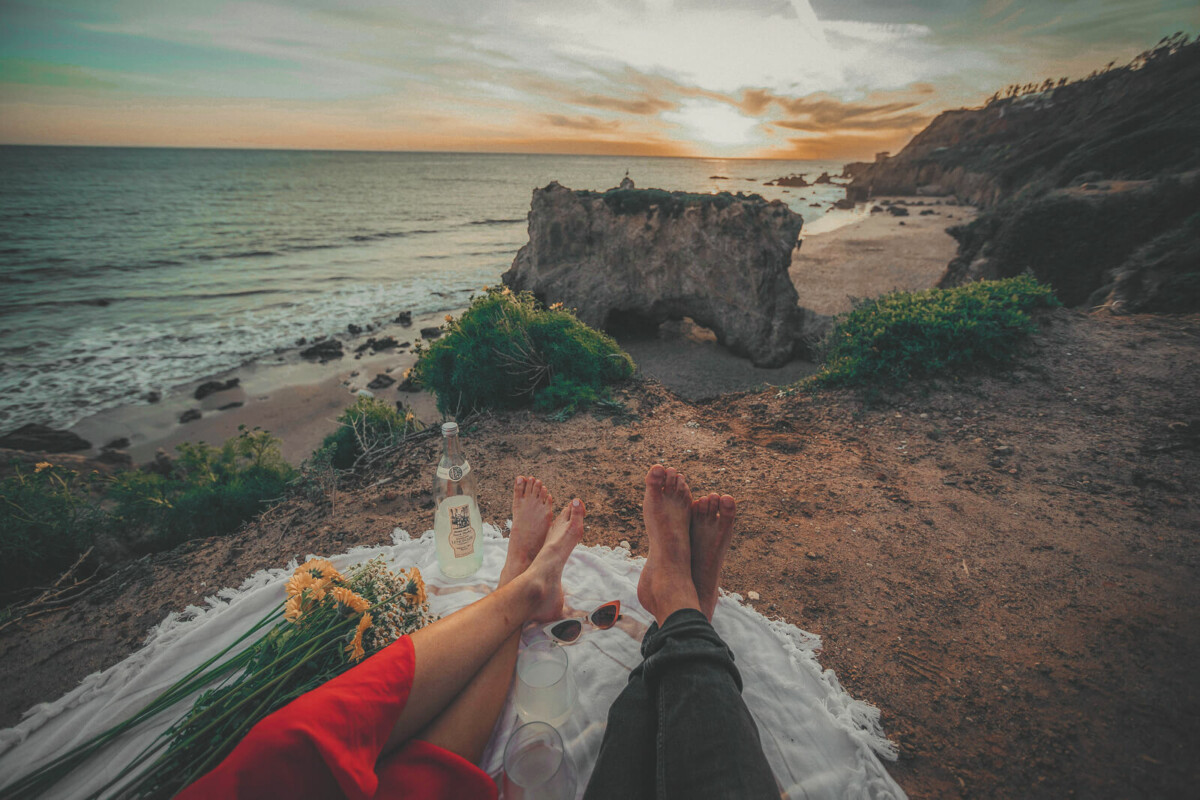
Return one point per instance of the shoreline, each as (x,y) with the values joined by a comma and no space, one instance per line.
(296,399)
(855,254)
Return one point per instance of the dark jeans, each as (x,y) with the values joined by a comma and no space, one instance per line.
(680,728)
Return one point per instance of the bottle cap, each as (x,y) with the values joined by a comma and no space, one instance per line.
(449,429)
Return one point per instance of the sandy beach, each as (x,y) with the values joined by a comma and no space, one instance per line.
(879,254)
(296,399)
(299,400)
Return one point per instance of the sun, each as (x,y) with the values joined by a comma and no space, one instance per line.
(714,124)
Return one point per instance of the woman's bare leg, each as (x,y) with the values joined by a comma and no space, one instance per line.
(465,726)
(451,651)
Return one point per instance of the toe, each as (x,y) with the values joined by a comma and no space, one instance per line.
(728,506)
(700,506)
(656,478)
(672,480)
(519,487)
(714,504)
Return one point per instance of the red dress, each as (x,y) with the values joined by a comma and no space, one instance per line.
(326,744)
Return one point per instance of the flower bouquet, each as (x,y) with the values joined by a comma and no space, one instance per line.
(329,622)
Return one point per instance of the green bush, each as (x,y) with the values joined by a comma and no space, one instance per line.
(368,424)
(507,351)
(46,521)
(913,334)
(210,490)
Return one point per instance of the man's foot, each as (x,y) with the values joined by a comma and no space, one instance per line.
(546,569)
(712,530)
(532,513)
(666,583)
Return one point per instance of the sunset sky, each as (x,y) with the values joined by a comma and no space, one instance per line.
(838,79)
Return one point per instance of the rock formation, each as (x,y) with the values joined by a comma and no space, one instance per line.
(632,259)
(39,438)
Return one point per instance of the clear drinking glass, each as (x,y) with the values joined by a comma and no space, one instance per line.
(543,683)
(536,765)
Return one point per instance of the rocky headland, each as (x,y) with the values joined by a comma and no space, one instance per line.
(1090,185)
(630,259)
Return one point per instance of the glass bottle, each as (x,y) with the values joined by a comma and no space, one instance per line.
(457,525)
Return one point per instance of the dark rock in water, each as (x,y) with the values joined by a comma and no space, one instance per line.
(381,381)
(301,341)
(324,350)
(632,260)
(902,222)
(39,438)
(190,415)
(718,177)
(845,204)
(405,344)
(353,330)
(824,178)
(153,397)
(876,209)
(430,333)
(118,457)
(117,444)
(404,318)
(234,404)
(409,384)
(927,212)
(796,180)
(212,387)
(898,211)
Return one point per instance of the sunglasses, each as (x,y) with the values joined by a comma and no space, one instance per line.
(568,631)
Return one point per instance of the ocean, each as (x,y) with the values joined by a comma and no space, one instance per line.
(130,270)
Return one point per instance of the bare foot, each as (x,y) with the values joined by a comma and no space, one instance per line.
(532,513)
(666,583)
(712,530)
(546,569)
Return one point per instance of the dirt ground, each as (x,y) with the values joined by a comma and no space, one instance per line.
(1004,564)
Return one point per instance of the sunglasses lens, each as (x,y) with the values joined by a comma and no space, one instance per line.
(605,616)
(568,630)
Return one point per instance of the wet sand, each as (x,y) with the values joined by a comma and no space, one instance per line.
(296,399)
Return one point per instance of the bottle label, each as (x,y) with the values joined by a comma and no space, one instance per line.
(462,533)
(455,473)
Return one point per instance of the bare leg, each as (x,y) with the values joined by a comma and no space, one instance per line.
(711,532)
(451,652)
(666,583)
(465,726)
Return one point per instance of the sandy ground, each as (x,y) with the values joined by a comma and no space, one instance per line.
(1004,564)
(880,254)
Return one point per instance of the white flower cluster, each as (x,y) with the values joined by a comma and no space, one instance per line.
(404,608)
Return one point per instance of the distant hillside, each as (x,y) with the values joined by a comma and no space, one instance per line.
(1092,186)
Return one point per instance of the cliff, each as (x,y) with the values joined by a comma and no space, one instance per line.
(630,259)
(1091,186)
(1135,122)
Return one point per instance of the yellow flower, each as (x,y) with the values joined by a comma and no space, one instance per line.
(42,465)
(324,569)
(417,595)
(292,608)
(348,598)
(449,318)
(355,648)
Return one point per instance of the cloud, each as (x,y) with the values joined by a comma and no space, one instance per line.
(589,124)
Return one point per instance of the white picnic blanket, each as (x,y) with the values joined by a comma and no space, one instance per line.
(820,742)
